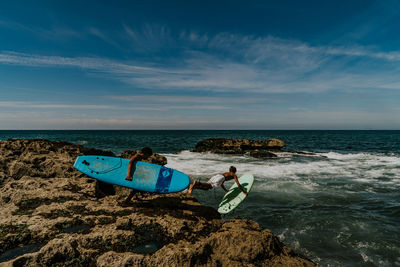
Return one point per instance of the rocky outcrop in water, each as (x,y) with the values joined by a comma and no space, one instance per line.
(256,148)
(50,216)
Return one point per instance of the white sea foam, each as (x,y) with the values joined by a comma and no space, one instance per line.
(367,158)
(305,174)
(320,184)
(200,163)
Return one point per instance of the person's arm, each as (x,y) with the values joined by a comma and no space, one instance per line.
(134,158)
(239,185)
(223,187)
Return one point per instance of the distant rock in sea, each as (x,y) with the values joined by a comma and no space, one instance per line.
(50,215)
(256,148)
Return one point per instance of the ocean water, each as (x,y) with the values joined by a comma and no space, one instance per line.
(339,207)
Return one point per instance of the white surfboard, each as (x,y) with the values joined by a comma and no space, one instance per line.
(235,196)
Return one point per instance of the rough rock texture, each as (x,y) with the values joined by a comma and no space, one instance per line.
(262,154)
(256,148)
(261,149)
(51,210)
(41,158)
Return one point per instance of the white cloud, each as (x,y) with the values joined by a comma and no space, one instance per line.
(234,63)
(54,33)
(137,103)
(35,105)
(150,37)
(219,100)
(294,119)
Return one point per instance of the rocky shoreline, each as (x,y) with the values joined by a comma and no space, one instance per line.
(52,215)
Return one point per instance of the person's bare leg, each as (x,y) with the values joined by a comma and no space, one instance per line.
(132,196)
(191,187)
(199,185)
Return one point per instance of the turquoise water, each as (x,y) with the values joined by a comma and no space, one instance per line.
(340,207)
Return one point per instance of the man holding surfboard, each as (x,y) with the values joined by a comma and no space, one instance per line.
(217,180)
(144,154)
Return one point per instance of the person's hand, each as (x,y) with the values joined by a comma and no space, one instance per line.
(245,193)
(128,178)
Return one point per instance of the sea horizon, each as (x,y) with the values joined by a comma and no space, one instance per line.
(200,130)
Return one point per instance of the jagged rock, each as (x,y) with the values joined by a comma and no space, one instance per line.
(18,169)
(41,158)
(240,146)
(262,154)
(62,222)
(256,248)
(276,143)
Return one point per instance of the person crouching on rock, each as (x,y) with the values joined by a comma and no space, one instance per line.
(217,180)
(144,154)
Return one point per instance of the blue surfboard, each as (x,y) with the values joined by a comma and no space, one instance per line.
(146,176)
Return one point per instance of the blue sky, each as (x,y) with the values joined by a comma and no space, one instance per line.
(200,64)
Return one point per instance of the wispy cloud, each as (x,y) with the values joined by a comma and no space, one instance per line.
(160,98)
(135,104)
(20,121)
(150,37)
(101,35)
(54,33)
(294,119)
(26,104)
(233,63)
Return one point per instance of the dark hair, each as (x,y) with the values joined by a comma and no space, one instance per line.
(232,169)
(147,150)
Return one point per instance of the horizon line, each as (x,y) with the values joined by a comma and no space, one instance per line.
(199,129)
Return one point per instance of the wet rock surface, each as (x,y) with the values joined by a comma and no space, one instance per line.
(50,215)
(261,149)
(240,146)
(262,154)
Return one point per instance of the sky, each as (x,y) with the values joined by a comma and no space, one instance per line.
(200,64)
